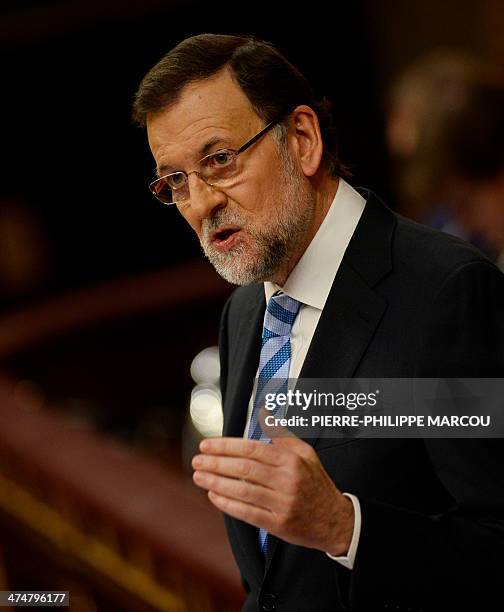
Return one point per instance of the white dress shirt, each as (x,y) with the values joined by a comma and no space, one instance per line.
(310,283)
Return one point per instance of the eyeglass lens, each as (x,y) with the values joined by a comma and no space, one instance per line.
(216,170)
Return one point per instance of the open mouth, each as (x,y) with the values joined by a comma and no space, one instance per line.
(225,236)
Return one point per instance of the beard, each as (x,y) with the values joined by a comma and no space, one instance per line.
(267,249)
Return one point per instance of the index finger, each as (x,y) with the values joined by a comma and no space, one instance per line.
(241,447)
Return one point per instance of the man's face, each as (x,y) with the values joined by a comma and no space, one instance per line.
(249,231)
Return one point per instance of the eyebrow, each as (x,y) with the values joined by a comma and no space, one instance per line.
(204,150)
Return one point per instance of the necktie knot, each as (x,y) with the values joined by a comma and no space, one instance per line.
(280,315)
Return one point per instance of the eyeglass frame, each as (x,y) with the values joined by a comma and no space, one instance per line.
(243,148)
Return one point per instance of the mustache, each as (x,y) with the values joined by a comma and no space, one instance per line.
(222,217)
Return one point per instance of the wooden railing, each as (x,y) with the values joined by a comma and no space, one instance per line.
(183,284)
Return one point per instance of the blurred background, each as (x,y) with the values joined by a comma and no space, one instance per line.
(108,312)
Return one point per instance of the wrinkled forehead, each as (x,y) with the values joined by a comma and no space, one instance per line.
(215,104)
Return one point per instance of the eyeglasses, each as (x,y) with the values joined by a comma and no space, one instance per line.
(218,169)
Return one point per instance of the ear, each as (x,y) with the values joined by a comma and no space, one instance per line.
(306,139)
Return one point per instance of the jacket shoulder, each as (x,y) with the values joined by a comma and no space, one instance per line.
(432,252)
(241,301)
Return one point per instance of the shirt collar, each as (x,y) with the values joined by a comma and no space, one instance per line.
(311,279)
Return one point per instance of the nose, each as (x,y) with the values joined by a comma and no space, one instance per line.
(204,199)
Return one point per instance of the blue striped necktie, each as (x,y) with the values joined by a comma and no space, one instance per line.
(274,364)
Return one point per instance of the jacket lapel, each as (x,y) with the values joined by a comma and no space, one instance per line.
(345,328)
(242,368)
(242,364)
(353,308)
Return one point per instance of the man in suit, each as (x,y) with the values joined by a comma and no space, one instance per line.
(248,156)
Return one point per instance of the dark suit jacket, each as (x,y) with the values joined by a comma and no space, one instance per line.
(407,301)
